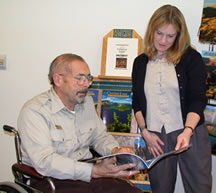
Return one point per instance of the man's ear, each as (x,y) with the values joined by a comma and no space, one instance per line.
(57,79)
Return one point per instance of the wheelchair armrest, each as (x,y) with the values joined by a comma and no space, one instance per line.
(23,171)
(26,170)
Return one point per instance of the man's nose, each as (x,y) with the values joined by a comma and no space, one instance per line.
(87,83)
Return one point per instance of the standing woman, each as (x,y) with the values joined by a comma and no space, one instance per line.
(168,100)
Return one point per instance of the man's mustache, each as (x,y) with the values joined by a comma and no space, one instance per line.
(85,91)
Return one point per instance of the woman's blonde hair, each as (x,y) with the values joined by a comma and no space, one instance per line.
(165,15)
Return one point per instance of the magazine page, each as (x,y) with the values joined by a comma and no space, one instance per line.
(126,158)
(151,162)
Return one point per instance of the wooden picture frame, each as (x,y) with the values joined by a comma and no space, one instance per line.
(120,47)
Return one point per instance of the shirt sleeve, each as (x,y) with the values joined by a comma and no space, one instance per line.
(102,141)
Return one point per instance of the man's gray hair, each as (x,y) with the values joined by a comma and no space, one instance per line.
(62,62)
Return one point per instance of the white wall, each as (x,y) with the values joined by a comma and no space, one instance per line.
(33,32)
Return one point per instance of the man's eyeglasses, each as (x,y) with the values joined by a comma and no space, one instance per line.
(81,79)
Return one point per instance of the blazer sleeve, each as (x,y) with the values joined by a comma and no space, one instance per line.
(138,76)
(196,84)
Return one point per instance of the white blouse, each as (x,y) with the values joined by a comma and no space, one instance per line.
(162,94)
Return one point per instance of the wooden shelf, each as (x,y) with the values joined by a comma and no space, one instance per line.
(125,134)
(114,77)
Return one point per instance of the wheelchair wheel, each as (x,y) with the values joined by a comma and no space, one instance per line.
(10,187)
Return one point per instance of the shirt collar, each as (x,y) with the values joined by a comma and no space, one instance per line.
(57,104)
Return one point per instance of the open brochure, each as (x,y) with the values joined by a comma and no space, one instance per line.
(141,164)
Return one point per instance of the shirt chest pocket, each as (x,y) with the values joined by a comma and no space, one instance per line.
(63,144)
(86,135)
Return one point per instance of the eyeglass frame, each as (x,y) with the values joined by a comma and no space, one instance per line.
(82,78)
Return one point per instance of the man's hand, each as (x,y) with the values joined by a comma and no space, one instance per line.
(108,168)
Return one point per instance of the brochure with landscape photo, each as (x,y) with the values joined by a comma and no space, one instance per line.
(116,110)
(209,58)
(94,93)
(207,28)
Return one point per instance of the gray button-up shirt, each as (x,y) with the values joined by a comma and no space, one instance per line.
(54,138)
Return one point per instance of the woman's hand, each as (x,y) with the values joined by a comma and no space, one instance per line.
(153,142)
(183,139)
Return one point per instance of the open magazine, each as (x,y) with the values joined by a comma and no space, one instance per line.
(141,164)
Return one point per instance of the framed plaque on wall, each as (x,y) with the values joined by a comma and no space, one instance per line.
(120,47)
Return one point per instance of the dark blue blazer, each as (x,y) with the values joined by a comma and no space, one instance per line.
(191,75)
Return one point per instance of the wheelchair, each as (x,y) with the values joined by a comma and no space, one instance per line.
(22,172)
(10,187)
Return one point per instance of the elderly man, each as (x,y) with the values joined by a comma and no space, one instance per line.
(57,128)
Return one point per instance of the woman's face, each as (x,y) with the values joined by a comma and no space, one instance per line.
(164,38)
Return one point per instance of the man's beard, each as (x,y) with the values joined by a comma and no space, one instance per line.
(81,99)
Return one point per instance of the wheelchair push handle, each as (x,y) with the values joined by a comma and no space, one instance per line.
(10,129)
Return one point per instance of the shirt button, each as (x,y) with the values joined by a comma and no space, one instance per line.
(178,75)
